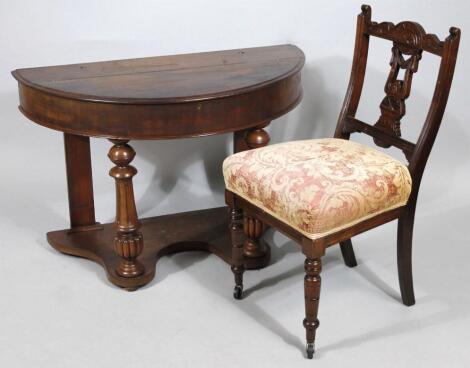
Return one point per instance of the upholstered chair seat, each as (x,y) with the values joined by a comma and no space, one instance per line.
(319,186)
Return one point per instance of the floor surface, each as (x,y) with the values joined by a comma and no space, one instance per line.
(60,311)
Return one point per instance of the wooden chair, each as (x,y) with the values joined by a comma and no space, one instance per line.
(322,192)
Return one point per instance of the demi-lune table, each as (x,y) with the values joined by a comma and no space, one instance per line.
(164,97)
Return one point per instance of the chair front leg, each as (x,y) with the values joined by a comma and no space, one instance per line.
(236,234)
(312,285)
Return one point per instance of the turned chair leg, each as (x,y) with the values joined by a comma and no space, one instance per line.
(404,244)
(347,251)
(312,285)
(236,234)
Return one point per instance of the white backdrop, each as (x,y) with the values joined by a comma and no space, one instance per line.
(185,174)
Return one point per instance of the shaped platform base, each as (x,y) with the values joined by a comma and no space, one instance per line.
(203,230)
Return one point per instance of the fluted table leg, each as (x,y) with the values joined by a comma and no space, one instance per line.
(253,248)
(128,242)
(254,229)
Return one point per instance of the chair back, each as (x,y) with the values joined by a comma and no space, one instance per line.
(410,41)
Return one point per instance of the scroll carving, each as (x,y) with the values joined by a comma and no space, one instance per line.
(409,35)
(409,41)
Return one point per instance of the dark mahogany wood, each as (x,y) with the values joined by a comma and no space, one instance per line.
(257,253)
(312,285)
(239,91)
(236,237)
(410,41)
(165,97)
(128,242)
(79,180)
(348,253)
(203,230)
(255,250)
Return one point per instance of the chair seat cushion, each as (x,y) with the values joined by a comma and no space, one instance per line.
(319,186)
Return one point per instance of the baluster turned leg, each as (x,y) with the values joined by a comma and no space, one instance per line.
(128,243)
(312,284)
(254,228)
(236,234)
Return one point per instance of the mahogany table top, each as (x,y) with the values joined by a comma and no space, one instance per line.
(163,79)
(165,96)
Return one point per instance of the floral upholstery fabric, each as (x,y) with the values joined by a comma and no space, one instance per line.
(318,186)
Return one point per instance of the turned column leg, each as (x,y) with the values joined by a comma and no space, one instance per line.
(236,235)
(128,243)
(253,248)
(312,284)
(257,137)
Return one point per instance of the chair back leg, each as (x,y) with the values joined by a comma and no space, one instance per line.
(404,244)
(347,251)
